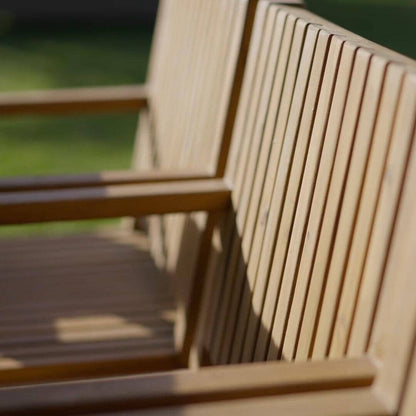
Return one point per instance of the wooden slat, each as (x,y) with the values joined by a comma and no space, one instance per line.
(283,269)
(218,264)
(288,117)
(212,384)
(245,180)
(290,165)
(66,313)
(306,201)
(347,212)
(401,142)
(261,135)
(365,216)
(293,35)
(188,263)
(333,340)
(322,283)
(113,201)
(76,100)
(316,215)
(251,202)
(198,58)
(292,125)
(146,361)
(244,138)
(393,337)
(105,178)
(236,90)
(305,198)
(348,402)
(408,406)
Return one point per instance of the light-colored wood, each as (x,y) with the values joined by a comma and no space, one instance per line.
(402,138)
(63,314)
(382,133)
(311,257)
(184,387)
(351,193)
(105,178)
(259,175)
(393,337)
(281,265)
(290,66)
(113,201)
(310,145)
(274,191)
(320,283)
(239,148)
(152,359)
(290,167)
(316,215)
(348,402)
(198,228)
(305,198)
(244,182)
(408,406)
(207,43)
(297,74)
(70,101)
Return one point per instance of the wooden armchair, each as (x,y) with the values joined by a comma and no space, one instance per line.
(296,289)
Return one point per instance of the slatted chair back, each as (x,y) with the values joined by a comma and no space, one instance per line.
(323,137)
(194,76)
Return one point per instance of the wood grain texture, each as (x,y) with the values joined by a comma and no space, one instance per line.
(86,180)
(113,201)
(75,100)
(316,126)
(348,402)
(395,318)
(83,306)
(185,387)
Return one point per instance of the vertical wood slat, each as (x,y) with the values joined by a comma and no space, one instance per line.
(242,148)
(199,53)
(356,342)
(393,337)
(348,196)
(263,235)
(402,137)
(194,269)
(230,322)
(285,134)
(305,199)
(335,343)
(224,230)
(408,406)
(265,134)
(247,173)
(315,221)
(297,249)
(281,261)
(288,279)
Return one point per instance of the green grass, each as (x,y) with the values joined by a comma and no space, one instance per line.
(35,59)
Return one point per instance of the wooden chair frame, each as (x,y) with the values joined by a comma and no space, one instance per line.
(347,386)
(371,385)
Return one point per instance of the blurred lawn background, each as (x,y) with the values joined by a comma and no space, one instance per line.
(41,57)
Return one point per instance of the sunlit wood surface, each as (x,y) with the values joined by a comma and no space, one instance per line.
(81,298)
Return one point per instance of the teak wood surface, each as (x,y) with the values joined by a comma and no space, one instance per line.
(295,290)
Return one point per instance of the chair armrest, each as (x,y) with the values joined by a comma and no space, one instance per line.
(104,178)
(184,387)
(113,201)
(74,100)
